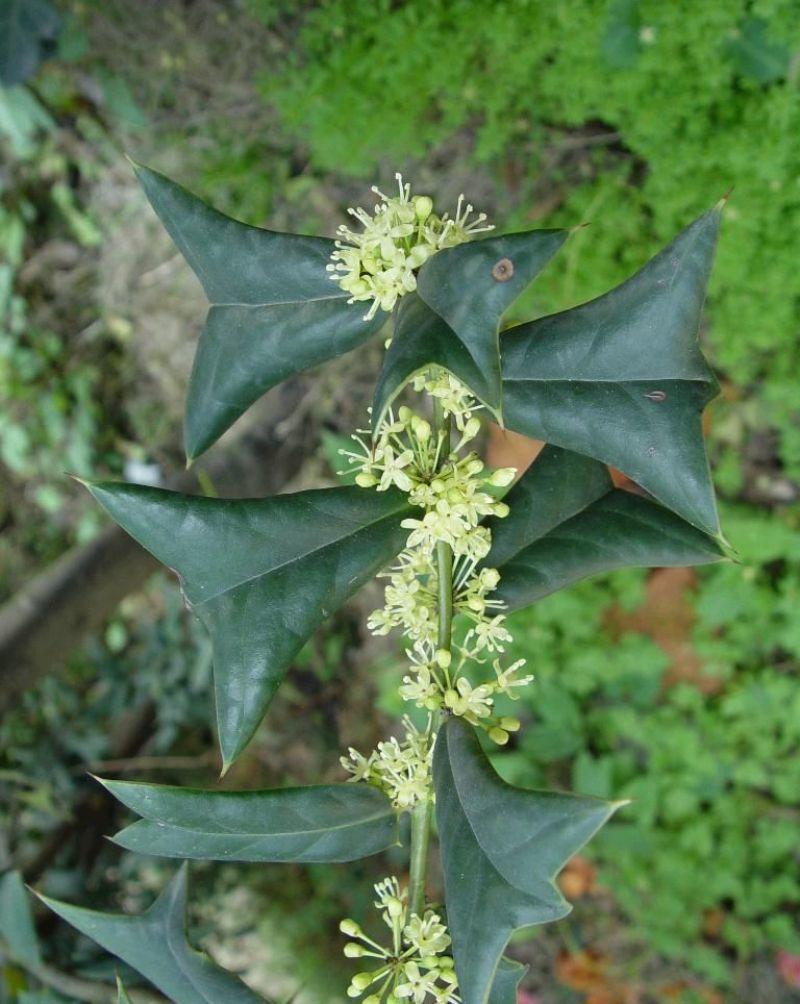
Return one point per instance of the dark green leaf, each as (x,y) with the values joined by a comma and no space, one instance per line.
(454,319)
(502,848)
(756,55)
(262,574)
(622,378)
(275,310)
(16,920)
(567,521)
(28,33)
(332,823)
(154,944)
(506,981)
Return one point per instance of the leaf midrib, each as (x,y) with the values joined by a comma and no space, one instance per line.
(374,817)
(279,303)
(554,529)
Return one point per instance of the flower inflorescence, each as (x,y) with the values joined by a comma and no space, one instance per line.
(379,263)
(400,769)
(414,967)
(436,466)
(455,492)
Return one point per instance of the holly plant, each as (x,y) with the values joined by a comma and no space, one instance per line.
(619,381)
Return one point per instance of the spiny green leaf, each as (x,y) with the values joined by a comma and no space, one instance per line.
(274,309)
(331,823)
(155,944)
(28,33)
(622,378)
(567,521)
(17,929)
(466,289)
(502,848)
(506,981)
(262,574)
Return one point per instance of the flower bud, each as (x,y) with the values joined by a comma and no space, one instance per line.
(419,255)
(510,724)
(365,480)
(502,477)
(421,429)
(444,658)
(394,907)
(353,950)
(472,428)
(361,981)
(501,510)
(372,999)
(451,697)
(423,207)
(405,414)
(474,467)
(350,928)
(491,578)
(353,991)
(498,735)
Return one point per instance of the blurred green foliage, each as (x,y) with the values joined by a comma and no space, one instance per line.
(704,859)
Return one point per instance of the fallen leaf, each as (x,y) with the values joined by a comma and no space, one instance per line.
(667,616)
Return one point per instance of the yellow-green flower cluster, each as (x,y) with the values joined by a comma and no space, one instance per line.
(453,490)
(437,681)
(402,770)
(379,263)
(414,968)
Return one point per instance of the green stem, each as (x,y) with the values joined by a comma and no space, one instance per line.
(421,817)
(444,574)
(422,813)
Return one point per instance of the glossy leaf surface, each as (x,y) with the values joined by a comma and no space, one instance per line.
(502,848)
(261,574)
(454,318)
(622,378)
(471,286)
(274,309)
(155,945)
(568,521)
(331,823)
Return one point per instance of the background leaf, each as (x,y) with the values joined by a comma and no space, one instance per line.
(122,993)
(622,378)
(568,521)
(332,823)
(155,944)
(261,574)
(502,848)
(755,55)
(275,310)
(16,920)
(28,33)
